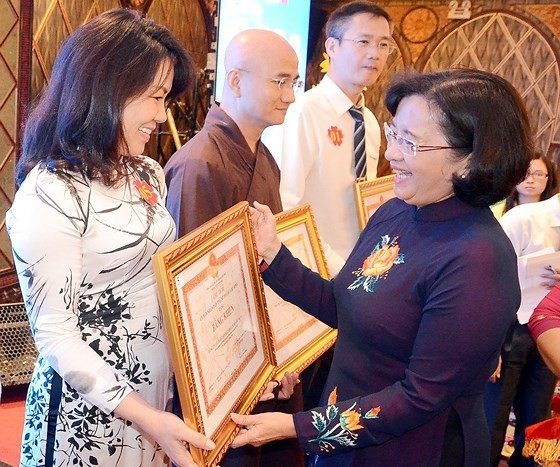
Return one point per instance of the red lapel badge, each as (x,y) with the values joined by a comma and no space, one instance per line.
(335,135)
(146,191)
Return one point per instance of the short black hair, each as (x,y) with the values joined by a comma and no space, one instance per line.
(479,111)
(338,19)
(76,124)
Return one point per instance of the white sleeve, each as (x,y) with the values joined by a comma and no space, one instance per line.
(518,230)
(299,151)
(46,226)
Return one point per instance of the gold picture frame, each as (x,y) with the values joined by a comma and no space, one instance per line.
(218,331)
(299,338)
(369,195)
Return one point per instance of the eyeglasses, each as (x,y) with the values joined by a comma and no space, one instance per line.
(286,83)
(408,147)
(384,47)
(537,175)
(283,83)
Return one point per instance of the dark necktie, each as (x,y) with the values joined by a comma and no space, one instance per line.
(359,142)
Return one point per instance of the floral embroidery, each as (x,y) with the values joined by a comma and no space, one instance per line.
(350,420)
(335,135)
(146,191)
(373,413)
(377,265)
(337,429)
(333,396)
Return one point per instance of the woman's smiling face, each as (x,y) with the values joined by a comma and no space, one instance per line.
(142,114)
(427,177)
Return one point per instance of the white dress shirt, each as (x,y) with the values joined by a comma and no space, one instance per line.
(317,164)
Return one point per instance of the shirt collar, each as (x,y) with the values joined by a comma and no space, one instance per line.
(340,101)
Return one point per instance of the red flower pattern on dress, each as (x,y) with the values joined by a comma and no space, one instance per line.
(373,413)
(333,396)
(381,260)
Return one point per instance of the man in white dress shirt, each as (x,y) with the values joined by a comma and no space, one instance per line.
(317,162)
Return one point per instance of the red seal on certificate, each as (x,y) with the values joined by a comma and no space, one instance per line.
(335,135)
(213,265)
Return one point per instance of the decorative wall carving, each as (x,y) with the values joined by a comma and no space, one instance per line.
(9,60)
(419,24)
(518,39)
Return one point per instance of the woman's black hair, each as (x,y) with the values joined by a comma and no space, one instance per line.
(111,59)
(479,111)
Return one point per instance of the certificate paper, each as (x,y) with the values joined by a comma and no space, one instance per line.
(220,311)
(299,339)
(369,195)
(215,319)
(530,268)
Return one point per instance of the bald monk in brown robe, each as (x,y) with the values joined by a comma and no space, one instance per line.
(226,162)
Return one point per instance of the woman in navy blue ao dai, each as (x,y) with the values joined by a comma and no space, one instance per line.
(428,293)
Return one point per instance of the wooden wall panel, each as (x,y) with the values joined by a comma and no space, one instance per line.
(9,63)
(516,39)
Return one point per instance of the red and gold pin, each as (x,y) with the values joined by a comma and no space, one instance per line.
(146,191)
(335,135)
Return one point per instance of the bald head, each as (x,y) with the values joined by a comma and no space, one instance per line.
(253,49)
(261,69)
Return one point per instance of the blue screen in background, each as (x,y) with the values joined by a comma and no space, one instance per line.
(289,18)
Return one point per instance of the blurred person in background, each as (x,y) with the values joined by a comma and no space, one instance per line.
(539,184)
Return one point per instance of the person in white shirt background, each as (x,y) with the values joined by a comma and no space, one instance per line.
(524,383)
(317,164)
(539,184)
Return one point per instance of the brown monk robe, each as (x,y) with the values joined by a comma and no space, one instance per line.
(215,170)
(226,163)
(212,172)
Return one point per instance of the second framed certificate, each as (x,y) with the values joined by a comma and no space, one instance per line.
(214,313)
(372,194)
(299,339)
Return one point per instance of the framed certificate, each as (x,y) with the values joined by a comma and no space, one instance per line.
(370,195)
(299,339)
(215,318)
